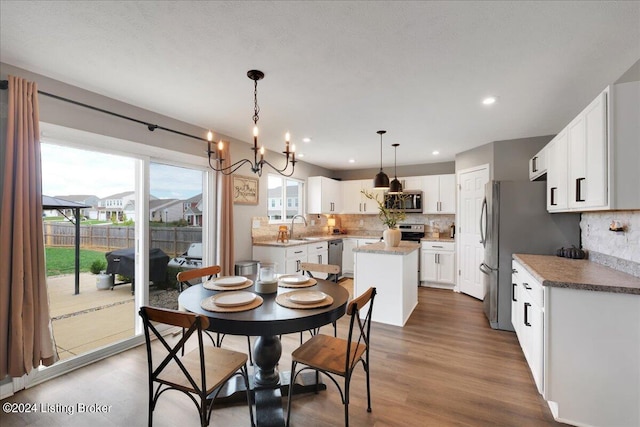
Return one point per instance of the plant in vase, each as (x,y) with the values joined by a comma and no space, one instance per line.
(390,216)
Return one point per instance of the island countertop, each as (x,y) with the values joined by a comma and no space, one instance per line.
(380,248)
(578,274)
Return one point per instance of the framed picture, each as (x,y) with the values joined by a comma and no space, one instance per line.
(245,190)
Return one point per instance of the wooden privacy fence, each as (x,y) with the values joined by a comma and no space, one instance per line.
(172,240)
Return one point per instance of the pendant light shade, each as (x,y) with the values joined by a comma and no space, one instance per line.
(395,187)
(381,181)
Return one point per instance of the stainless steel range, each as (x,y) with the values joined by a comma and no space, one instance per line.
(412,232)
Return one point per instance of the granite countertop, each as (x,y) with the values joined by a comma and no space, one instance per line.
(438,239)
(579,274)
(311,239)
(379,248)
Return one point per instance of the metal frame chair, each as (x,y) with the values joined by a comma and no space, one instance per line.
(334,273)
(184,278)
(200,374)
(338,357)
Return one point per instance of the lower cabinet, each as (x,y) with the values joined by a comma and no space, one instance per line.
(527,317)
(437,263)
(287,259)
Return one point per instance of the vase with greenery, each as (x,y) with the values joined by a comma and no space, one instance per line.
(390,216)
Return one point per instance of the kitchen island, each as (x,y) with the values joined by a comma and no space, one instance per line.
(585,355)
(394,273)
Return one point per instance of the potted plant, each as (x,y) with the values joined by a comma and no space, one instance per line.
(389,217)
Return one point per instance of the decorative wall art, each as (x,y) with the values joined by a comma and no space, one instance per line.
(245,190)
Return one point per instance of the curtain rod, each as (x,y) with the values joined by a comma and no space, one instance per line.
(4,84)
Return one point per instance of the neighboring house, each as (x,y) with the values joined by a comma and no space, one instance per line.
(165,210)
(192,210)
(275,202)
(120,204)
(85,199)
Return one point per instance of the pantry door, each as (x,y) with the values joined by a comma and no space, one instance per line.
(469,249)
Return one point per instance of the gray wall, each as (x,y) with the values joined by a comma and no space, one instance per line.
(407,170)
(508,160)
(76,117)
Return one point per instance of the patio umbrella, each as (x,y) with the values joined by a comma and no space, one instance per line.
(60,205)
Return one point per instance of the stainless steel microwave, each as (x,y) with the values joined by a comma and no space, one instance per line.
(408,201)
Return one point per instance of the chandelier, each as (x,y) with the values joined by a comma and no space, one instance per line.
(381,180)
(256,165)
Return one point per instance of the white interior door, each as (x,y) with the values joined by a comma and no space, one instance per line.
(470,250)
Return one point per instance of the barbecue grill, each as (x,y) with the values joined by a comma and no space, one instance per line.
(123,261)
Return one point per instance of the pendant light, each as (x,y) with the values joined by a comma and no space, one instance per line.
(381,181)
(395,187)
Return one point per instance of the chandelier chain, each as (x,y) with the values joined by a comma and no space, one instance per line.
(256,108)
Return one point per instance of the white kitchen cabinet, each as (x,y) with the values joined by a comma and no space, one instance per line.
(324,195)
(439,194)
(318,252)
(353,201)
(602,151)
(557,191)
(538,164)
(527,316)
(411,183)
(588,156)
(287,258)
(437,263)
(347,256)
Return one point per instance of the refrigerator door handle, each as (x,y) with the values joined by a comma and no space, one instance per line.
(483,225)
(486,269)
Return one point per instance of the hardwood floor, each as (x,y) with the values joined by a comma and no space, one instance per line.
(446,367)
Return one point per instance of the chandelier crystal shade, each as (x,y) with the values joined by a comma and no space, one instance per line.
(256,165)
(381,181)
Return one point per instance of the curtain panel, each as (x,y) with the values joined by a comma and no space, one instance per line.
(225,246)
(26,338)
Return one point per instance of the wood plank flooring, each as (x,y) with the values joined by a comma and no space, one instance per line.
(446,367)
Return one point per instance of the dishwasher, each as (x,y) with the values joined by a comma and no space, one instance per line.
(335,256)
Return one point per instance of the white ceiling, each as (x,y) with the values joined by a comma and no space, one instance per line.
(337,71)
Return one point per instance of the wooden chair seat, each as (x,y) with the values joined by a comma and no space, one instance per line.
(328,353)
(219,365)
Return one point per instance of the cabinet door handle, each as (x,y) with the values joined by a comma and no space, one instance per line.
(553,196)
(579,189)
(513,292)
(360,207)
(319,259)
(365,206)
(526,314)
(436,246)
(438,258)
(534,166)
(526,285)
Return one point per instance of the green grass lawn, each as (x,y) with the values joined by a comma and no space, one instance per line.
(62,260)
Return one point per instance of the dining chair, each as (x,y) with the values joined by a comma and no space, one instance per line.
(334,356)
(333,272)
(200,374)
(203,274)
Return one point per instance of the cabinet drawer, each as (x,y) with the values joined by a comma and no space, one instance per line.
(318,247)
(439,246)
(532,287)
(296,251)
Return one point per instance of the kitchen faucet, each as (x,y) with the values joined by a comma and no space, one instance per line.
(292,220)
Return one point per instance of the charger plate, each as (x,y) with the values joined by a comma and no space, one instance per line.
(209,304)
(212,286)
(307,284)
(285,301)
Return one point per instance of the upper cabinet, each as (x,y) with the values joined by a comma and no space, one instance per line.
(593,162)
(538,164)
(439,194)
(353,201)
(324,195)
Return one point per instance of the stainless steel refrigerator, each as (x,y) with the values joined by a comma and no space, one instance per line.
(514,219)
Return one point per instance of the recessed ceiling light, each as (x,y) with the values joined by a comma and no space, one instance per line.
(489,100)
(435,153)
(306,139)
(300,155)
(352,161)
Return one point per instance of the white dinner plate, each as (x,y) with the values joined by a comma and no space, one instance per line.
(294,280)
(307,297)
(232,299)
(229,281)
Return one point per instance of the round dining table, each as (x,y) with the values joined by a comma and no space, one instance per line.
(268,321)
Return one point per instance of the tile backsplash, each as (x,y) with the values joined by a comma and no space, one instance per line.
(616,249)
(361,225)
